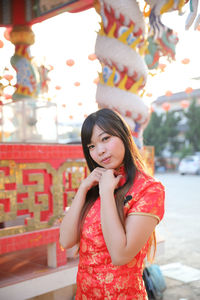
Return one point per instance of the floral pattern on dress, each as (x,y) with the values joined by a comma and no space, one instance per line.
(97,277)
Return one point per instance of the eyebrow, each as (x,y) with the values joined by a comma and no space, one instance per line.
(100,134)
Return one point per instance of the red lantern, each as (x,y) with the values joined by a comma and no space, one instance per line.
(185,61)
(58,87)
(1,44)
(96,80)
(70,62)
(149,94)
(80,104)
(51,67)
(151,109)
(77,83)
(168,93)
(7,33)
(166,106)
(71,117)
(92,56)
(189,90)
(162,67)
(184,104)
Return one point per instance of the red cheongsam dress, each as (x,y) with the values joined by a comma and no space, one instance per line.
(97,277)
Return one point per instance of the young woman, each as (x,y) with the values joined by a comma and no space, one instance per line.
(114,213)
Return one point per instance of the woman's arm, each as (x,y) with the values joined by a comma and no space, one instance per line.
(69,225)
(123,245)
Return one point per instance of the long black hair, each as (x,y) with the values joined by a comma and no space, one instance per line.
(112,123)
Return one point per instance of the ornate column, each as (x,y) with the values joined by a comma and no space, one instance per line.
(120,47)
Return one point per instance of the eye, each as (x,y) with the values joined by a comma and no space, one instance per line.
(90,147)
(105,138)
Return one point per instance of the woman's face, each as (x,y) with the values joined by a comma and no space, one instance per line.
(105,149)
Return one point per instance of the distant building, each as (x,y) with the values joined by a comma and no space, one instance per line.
(176,101)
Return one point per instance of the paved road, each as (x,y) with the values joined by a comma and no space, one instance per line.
(181,230)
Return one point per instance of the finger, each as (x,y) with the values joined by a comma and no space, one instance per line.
(99,169)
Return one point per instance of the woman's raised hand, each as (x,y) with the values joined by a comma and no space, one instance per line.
(108,180)
(93,178)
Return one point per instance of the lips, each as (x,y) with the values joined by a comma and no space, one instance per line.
(106,160)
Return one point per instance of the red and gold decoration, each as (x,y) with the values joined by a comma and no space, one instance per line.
(36,184)
(123,71)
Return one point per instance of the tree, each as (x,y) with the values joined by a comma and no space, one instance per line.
(162,132)
(153,134)
(193,120)
(170,129)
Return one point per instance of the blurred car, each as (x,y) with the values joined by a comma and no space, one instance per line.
(190,165)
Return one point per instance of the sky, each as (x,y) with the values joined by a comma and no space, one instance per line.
(73,36)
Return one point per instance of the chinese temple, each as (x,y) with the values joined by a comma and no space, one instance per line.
(38,181)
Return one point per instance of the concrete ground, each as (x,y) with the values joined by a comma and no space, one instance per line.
(181,230)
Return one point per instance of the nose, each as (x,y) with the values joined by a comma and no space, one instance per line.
(100,149)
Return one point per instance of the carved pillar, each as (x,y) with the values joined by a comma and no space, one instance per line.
(120,47)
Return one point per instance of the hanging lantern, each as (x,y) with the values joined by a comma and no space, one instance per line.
(51,67)
(166,106)
(1,44)
(70,62)
(185,104)
(80,104)
(7,33)
(149,94)
(96,80)
(71,117)
(58,87)
(76,83)
(92,56)
(64,105)
(185,61)
(168,93)
(162,67)
(151,109)
(189,90)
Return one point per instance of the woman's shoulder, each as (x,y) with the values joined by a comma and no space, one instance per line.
(147,196)
(144,181)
